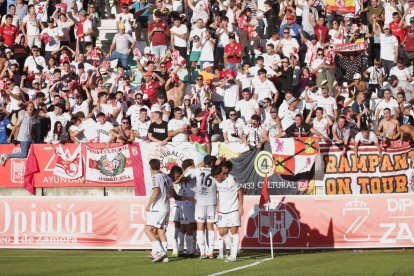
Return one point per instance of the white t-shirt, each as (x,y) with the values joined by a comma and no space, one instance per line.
(175,124)
(372,138)
(247,109)
(387,47)
(166,107)
(375,74)
(401,74)
(288,117)
(196,32)
(314,96)
(64,118)
(206,189)
(31,63)
(321,126)
(134,111)
(89,129)
(230,94)
(179,42)
(162,201)
(32,26)
(126,19)
(84,107)
(65,29)
(228,195)
(264,89)
(288,46)
(329,104)
(104,131)
(392,105)
(207,50)
(14,104)
(142,129)
(254,135)
(245,79)
(269,59)
(234,130)
(54,42)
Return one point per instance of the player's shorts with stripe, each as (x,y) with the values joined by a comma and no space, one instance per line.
(231,219)
(187,212)
(178,209)
(205,213)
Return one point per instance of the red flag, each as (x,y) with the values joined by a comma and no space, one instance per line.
(31,168)
(137,169)
(264,197)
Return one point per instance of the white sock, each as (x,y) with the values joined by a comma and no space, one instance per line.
(196,248)
(189,242)
(156,247)
(235,245)
(221,245)
(210,235)
(200,242)
(165,246)
(181,241)
(176,240)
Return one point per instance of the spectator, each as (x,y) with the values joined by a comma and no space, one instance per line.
(158,33)
(141,126)
(158,130)
(122,45)
(366,137)
(247,106)
(177,126)
(233,128)
(254,133)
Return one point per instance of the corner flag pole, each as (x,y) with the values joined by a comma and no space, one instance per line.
(270,232)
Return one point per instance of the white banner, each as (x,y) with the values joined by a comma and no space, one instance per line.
(68,165)
(108,165)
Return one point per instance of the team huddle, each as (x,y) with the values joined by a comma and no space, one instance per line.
(205,195)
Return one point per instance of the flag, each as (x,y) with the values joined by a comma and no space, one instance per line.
(264,197)
(137,169)
(293,156)
(31,168)
(232,150)
(111,165)
(68,165)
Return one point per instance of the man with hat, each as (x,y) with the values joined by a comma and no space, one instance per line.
(389,46)
(121,47)
(163,106)
(233,53)
(292,27)
(52,36)
(126,18)
(158,33)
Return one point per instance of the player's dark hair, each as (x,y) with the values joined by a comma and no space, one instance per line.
(175,169)
(187,163)
(216,170)
(155,164)
(227,164)
(209,160)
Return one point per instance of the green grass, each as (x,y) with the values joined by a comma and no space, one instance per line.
(93,262)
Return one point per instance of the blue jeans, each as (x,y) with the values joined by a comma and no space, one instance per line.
(234,66)
(122,58)
(24,150)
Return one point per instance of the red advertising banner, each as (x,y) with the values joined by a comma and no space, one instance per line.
(364,221)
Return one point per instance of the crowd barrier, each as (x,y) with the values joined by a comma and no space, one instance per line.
(348,221)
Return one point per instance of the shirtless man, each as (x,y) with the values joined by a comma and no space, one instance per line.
(175,92)
(388,128)
(406,129)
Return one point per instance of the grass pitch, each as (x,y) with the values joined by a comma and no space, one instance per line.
(93,262)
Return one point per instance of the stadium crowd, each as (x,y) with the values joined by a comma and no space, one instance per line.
(223,70)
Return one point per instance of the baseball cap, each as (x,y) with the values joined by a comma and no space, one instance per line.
(386,26)
(50,20)
(357,76)
(273,110)
(148,73)
(291,100)
(232,35)
(82,12)
(313,37)
(290,17)
(35,81)
(161,96)
(7,51)
(125,5)
(121,26)
(207,64)
(407,105)
(312,83)
(324,82)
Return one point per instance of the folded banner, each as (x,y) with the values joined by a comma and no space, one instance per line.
(293,156)
(108,165)
(341,174)
(68,165)
(340,6)
(351,47)
(251,167)
(347,221)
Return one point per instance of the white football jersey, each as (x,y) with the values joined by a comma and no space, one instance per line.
(162,202)
(205,188)
(228,195)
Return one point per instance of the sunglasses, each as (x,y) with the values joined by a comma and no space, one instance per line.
(199,79)
(319,55)
(186,100)
(8,83)
(35,50)
(285,33)
(125,123)
(138,99)
(206,103)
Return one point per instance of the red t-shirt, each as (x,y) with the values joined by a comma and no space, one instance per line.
(231,50)
(409,41)
(151,89)
(9,33)
(159,37)
(201,138)
(397,31)
(324,32)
